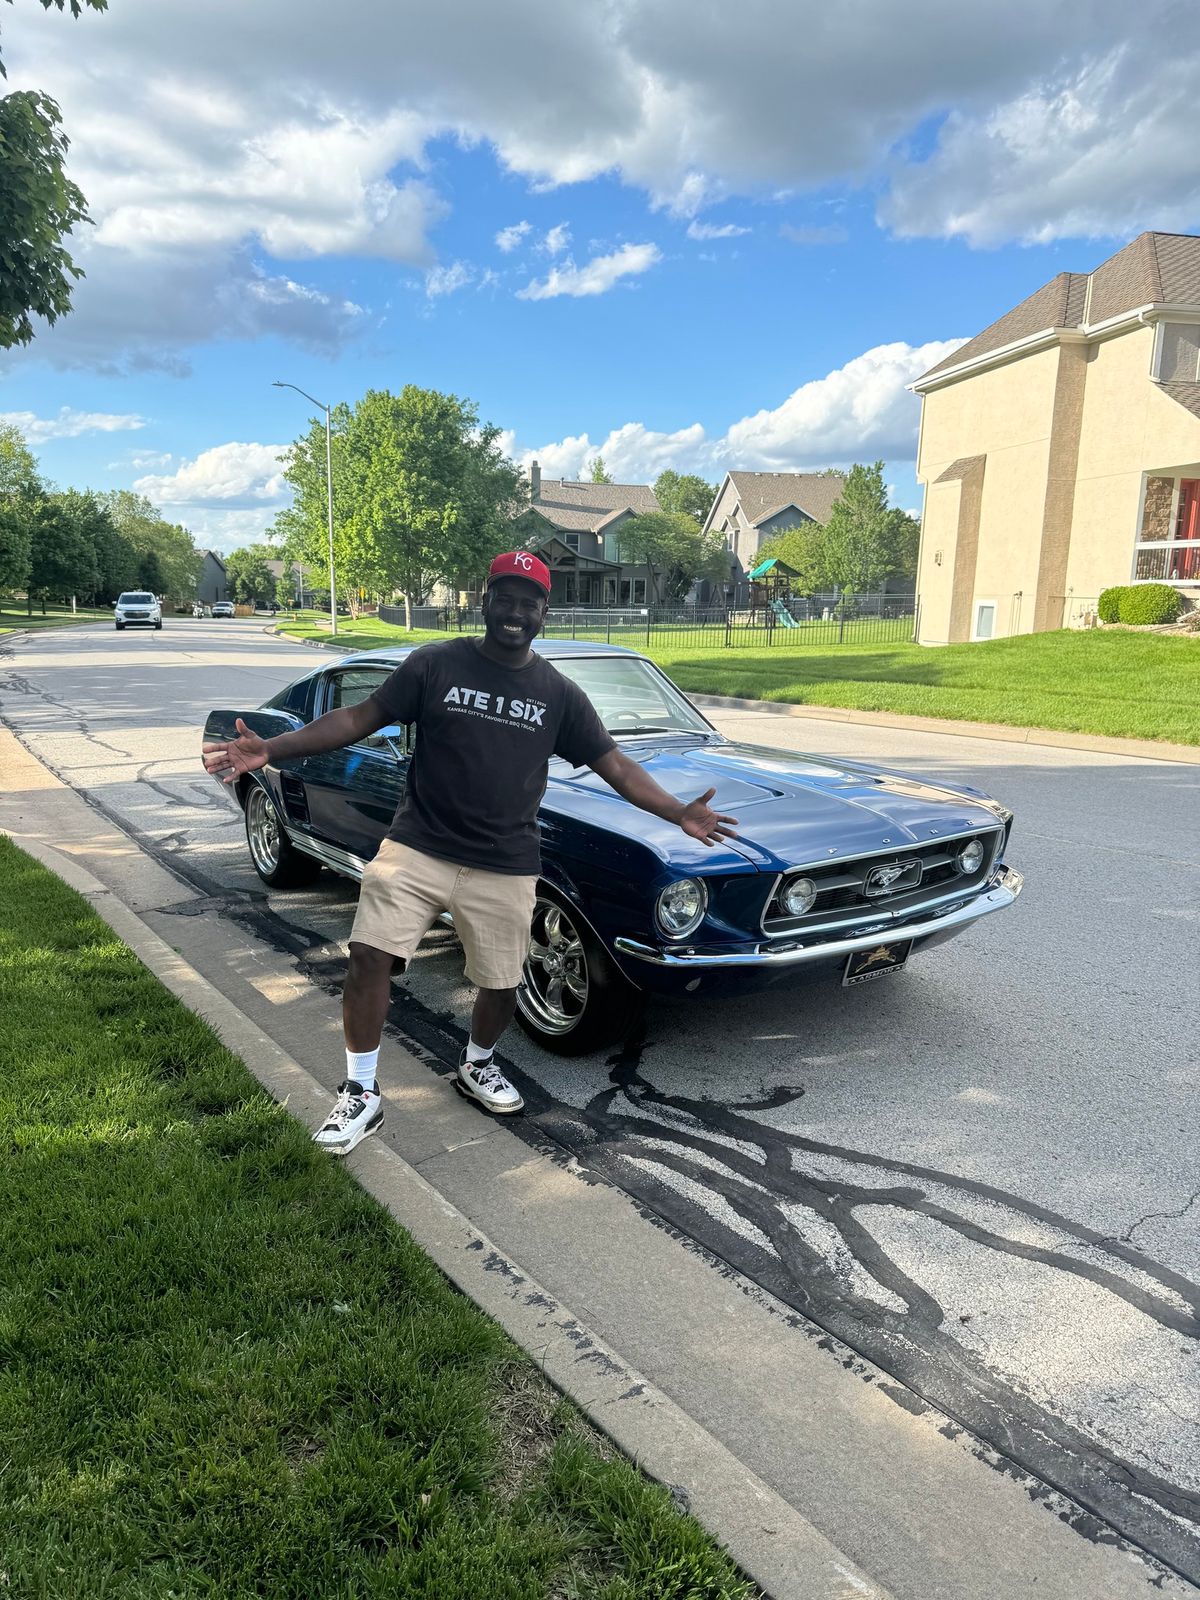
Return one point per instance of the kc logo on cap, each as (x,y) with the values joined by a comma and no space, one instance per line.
(520,564)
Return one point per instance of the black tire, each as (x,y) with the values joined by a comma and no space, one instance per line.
(158,627)
(278,863)
(574,999)
(120,627)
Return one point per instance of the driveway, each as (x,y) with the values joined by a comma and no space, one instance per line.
(983,1176)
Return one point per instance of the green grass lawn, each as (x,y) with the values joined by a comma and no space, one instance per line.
(1123,684)
(224,1371)
(13,618)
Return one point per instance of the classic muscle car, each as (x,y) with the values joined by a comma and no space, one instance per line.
(839,870)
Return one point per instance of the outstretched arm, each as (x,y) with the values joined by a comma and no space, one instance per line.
(248,752)
(633,783)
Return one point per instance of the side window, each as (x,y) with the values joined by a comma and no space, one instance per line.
(352,686)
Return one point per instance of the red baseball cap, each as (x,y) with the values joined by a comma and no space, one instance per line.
(520,564)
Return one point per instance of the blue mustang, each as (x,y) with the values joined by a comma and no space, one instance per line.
(839,869)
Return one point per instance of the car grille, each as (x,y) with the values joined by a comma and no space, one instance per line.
(928,874)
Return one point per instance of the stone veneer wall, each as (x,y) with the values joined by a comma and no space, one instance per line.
(1156,512)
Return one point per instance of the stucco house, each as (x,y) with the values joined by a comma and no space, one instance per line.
(751,507)
(1060,448)
(575,528)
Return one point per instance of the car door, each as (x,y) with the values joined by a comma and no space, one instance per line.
(353,793)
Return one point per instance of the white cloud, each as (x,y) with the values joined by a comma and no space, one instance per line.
(445,280)
(596,276)
(712,230)
(859,412)
(68,424)
(556,240)
(1099,150)
(227,477)
(509,238)
(232,140)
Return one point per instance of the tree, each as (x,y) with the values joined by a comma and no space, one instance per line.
(422,493)
(39,206)
(600,473)
(94,538)
(903,538)
(303,527)
(21,492)
(62,558)
(250,578)
(857,542)
(803,550)
(687,494)
(675,550)
(145,530)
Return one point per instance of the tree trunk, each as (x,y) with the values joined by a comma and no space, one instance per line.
(408,611)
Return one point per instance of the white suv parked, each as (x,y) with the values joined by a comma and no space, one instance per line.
(137,609)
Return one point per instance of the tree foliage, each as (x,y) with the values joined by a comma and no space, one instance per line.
(422,493)
(146,532)
(599,472)
(677,553)
(62,558)
(803,550)
(686,494)
(249,577)
(39,205)
(21,491)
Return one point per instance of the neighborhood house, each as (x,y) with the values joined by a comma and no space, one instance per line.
(752,507)
(576,529)
(1060,449)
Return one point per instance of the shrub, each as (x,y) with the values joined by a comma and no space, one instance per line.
(1144,603)
(1109,605)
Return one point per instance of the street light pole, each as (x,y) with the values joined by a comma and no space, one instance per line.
(328,497)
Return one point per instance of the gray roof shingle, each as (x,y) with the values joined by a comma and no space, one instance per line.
(586,507)
(1154,267)
(762,494)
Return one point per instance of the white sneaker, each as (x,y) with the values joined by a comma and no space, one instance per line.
(483,1081)
(356,1114)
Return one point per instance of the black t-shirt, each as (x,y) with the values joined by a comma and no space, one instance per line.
(485,735)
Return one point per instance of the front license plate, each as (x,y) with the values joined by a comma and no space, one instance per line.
(876,962)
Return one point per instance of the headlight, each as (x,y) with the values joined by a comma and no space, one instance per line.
(680,908)
(970,858)
(798,896)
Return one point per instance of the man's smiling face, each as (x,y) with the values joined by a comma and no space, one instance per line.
(513,613)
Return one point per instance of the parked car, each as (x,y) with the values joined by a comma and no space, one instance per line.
(841,871)
(137,609)
(223,608)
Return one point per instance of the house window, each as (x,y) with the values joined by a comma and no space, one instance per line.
(569,596)
(1179,353)
(985,619)
(610,591)
(571,540)
(624,591)
(639,591)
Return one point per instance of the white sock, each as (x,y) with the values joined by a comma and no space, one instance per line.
(361,1066)
(478,1052)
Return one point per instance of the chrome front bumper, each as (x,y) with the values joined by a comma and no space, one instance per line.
(1001,892)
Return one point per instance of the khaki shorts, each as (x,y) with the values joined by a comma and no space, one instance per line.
(404,892)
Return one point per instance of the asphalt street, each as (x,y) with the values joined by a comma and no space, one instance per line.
(983,1174)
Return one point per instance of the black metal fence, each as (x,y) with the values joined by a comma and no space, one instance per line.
(816,620)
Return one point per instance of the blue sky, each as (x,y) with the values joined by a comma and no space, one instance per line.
(679,235)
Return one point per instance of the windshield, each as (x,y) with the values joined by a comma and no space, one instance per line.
(135,599)
(630,696)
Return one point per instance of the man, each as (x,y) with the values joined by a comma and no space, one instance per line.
(489,713)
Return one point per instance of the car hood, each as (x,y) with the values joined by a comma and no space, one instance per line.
(792,809)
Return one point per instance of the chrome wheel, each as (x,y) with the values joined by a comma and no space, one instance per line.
(554,994)
(262,832)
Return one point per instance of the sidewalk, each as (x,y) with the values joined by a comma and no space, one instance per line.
(823,1478)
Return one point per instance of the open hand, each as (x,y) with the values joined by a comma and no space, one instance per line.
(229,761)
(705,824)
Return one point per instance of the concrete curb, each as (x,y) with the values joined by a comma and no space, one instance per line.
(1055,739)
(778,1548)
